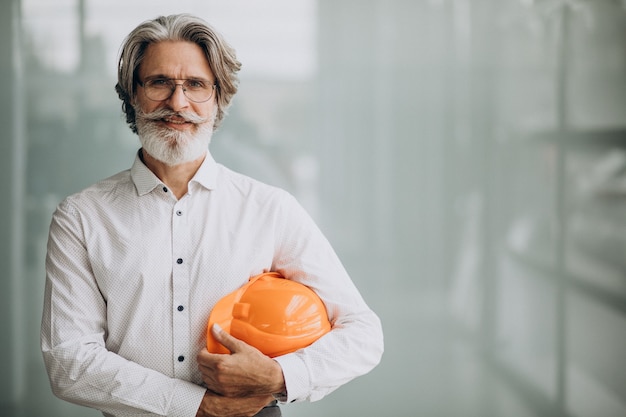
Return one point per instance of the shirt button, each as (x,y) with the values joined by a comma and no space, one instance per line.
(179,261)
(179,213)
(181,358)
(165,189)
(180,308)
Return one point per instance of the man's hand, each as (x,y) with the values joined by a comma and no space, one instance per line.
(214,405)
(245,372)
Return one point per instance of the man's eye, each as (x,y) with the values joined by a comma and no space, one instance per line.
(195,84)
(159,82)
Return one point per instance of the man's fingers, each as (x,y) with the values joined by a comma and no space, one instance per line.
(229,342)
(245,372)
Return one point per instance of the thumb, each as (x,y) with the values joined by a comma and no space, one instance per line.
(231,343)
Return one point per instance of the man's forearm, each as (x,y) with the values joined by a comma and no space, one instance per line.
(214,405)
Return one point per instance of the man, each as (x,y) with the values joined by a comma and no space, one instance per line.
(136,262)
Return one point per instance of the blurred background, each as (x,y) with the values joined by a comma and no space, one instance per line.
(466,158)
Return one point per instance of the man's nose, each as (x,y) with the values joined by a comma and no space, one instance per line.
(178,100)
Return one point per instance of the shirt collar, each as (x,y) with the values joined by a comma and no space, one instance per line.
(206,175)
(145,180)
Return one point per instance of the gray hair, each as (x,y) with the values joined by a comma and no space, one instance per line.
(182,27)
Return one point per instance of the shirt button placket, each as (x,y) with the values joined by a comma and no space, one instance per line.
(180,296)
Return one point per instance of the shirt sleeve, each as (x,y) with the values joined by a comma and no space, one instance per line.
(73,331)
(354,346)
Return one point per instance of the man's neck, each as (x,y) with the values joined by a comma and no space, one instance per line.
(176,177)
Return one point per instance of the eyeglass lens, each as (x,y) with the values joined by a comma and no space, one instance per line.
(195,90)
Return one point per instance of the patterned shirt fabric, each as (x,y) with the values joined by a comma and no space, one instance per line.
(132,274)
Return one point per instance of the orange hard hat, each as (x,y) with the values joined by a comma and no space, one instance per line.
(271,313)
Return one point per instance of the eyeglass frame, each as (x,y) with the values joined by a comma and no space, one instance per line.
(182,85)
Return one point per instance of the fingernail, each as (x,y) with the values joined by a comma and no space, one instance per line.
(217,328)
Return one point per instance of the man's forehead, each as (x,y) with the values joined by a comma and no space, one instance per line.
(175,58)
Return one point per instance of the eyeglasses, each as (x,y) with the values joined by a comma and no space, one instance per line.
(159,89)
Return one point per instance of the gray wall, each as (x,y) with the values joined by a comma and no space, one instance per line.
(12,172)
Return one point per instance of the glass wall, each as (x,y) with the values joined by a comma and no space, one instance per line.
(466,158)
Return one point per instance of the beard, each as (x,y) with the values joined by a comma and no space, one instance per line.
(171,146)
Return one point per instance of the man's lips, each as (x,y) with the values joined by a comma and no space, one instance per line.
(176,122)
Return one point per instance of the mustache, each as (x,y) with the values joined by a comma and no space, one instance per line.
(159,114)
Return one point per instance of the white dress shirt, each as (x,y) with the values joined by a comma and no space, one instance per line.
(132,274)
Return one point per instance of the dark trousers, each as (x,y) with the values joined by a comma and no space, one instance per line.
(271,410)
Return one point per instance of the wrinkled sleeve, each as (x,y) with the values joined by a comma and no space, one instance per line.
(354,346)
(73,331)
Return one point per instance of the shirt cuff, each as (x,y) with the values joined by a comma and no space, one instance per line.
(186,399)
(296,377)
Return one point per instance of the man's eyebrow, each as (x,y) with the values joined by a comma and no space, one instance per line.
(153,76)
(194,78)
